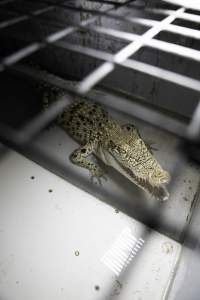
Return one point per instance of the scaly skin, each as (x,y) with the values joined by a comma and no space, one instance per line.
(118,146)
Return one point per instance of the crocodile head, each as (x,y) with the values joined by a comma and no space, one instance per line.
(135,161)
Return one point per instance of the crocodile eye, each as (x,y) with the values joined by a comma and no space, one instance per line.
(116,150)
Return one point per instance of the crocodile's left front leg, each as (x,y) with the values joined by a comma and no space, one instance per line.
(79,157)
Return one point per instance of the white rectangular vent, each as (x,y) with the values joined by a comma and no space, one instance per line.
(122,251)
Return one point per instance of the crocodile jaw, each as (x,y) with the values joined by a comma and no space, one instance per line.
(159,192)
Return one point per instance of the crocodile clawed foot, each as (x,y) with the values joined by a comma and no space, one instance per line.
(149,144)
(97,175)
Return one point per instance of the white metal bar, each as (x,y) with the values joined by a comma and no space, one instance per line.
(182,30)
(193,33)
(178,79)
(190,17)
(193,4)
(18,55)
(25,17)
(175,49)
(183,15)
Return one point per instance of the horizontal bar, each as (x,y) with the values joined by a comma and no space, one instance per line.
(190,17)
(162,74)
(20,54)
(25,17)
(175,49)
(185,16)
(99,54)
(13,21)
(181,30)
(185,3)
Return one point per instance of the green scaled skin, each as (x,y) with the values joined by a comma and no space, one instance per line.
(120,147)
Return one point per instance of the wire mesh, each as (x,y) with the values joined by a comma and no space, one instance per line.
(123,57)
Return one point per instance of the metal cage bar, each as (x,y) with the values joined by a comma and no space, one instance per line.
(25,17)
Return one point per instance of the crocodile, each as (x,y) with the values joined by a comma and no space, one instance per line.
(118,146)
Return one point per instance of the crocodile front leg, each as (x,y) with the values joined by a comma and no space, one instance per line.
(150,146)
(79,157)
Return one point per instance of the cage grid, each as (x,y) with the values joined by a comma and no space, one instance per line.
(110,61)
(19,139)
(122,57)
